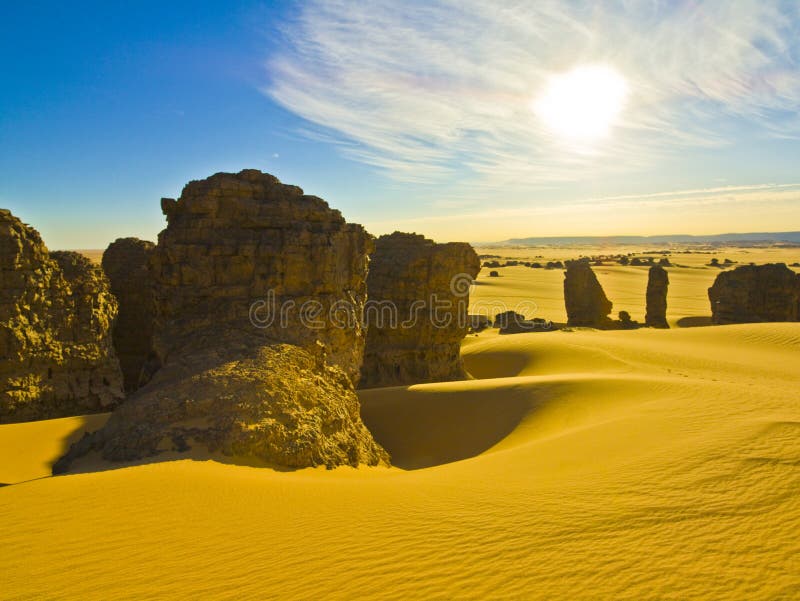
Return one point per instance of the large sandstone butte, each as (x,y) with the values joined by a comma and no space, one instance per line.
(259,291)
(755,293)
(56,313)
(657,284)
(126,263)
(409,275)
(586,303)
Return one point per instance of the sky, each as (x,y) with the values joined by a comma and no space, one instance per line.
(459,119)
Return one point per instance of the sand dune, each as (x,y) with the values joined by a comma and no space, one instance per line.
(582,465)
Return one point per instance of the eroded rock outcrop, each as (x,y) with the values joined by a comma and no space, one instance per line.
(126,263)
(56,313)
(657,285)
(755,293)
(259,291)
(586,303)
(417,312)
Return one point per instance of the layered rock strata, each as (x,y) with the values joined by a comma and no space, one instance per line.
(417,311)
(259,292)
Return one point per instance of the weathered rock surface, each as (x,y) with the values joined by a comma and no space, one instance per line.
(56,312)
(271,381)
(126,263)
(278,404)
(755,293)
(427,286)
(657,285)
(586,303)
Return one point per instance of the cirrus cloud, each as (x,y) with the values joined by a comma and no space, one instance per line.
(426,90)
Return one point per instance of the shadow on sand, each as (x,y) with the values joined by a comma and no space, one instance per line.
(427,425)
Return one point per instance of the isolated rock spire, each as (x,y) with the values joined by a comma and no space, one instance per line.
(586,303)
(657,284)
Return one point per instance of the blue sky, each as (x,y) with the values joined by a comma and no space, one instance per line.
(414,116)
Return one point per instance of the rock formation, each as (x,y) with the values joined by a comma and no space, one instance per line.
(478,323)
(657,284)
(755,293)
(56,312)
(125,262)
(511,322)
(586,303)
(426,286)
(259,292)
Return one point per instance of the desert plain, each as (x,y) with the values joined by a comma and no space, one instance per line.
(574,463)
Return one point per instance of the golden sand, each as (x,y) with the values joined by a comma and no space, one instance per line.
(646,464)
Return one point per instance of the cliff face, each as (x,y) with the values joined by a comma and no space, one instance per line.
(417,311)
(126,263)
(56,313)
(657,285)
(258,293)
(236,239)
(755,293)
(586,303)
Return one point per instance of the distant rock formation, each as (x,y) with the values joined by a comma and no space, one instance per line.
(427,286)
(586,303)
(755,293)
(511,322)
(259,293)
(125,262)
(56,312)
(657,284)
(478,323)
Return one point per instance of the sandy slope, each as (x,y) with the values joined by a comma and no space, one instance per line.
(584,465)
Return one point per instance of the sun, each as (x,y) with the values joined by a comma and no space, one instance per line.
(582,105)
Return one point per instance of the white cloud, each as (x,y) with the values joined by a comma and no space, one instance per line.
(425,90)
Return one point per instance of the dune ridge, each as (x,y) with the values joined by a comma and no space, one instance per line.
(664,466)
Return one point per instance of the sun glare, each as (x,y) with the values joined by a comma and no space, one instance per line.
(583,104)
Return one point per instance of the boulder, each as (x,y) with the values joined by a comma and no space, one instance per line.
(126,263)
(56,314)
(755,293)
(586,303)
(511,322)
(417,312)
(657,284)
(478,323)
(259,292)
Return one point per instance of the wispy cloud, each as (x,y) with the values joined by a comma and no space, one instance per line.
(429,89)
